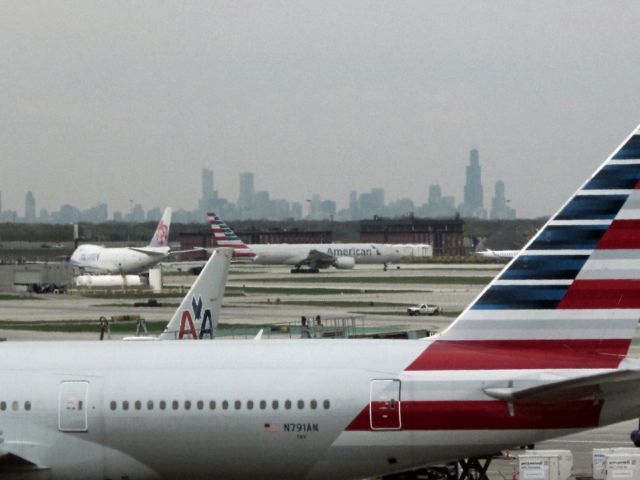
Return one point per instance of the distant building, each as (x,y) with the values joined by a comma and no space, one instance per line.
(296,210)
(499,208)
(30,208)
(446,236)
(207,184)
(438,206)
(247,195)
(473,204)
(209,201)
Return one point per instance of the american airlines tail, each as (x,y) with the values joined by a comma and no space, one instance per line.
(571,297)
(161,236)
(198,314)
(225,237)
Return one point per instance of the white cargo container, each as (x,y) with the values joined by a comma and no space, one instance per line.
(545,465)
(599,459)
(622,466)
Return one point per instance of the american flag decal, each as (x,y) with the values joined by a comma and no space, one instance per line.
(272,427)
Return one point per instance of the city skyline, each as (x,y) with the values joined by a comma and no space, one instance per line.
(259,204)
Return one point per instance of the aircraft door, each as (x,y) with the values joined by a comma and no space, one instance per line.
(384,407)
(73,406)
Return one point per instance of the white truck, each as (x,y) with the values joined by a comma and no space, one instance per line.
(424,309)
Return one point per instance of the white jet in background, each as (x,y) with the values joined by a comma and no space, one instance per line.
(313,256)
(96,259)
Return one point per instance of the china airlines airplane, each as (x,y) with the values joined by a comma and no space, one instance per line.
(312,256)
(542,352)
(126,260)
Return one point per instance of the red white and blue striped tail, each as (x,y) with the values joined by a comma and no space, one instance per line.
(225,237)
(571,297)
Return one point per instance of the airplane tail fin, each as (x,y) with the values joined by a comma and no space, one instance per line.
(161,237)
(225,237)
(571,297)
(198,314)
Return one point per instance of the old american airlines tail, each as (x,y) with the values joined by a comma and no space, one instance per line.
(542,352)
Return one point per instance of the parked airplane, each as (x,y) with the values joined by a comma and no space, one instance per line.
(313,256)
(542,352)
(125,260)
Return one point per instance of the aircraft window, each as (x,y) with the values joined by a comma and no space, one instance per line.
(15,405)
(300,404)
(175,404)
(326,404)
(274,404)
(200,404)
(80,405)
(27,405)
(212,404)
(313,404)
(238,404)
(149,404)
(163,404)
(287,404)
(3,406)
(250,404)
(138,404)
(125,405)
(263,404)
(225,405)
(187,404)
(113,405)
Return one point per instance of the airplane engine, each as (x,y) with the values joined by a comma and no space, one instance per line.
(345,263)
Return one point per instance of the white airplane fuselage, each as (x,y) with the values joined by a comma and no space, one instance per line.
(294,254)
(214,423)
(121,260)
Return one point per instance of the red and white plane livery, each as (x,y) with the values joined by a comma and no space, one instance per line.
(542,352)
(311,256)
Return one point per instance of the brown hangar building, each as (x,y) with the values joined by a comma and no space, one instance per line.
(446,236)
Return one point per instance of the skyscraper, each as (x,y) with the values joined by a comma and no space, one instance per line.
(499,207)
(30,208)
(473,204)
(207,185)
(247,194)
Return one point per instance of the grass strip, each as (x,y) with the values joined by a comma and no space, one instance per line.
(313,291)
(421,280)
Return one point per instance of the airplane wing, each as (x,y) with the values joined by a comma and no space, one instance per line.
(148,251)
(190,250)
(618,381)
(317,259)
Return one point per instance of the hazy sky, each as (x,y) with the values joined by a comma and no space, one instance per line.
(119,101)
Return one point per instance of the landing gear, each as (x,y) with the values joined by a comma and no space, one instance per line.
(304,270)
(385,266)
